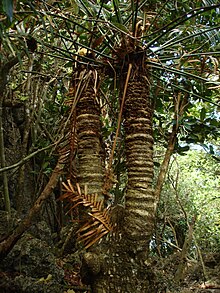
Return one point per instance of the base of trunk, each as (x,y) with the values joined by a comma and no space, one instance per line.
(121,269)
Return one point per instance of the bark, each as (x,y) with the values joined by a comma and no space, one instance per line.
(120,270)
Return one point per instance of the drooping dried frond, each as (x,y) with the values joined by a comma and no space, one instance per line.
(68,147)
(99,223)
(79,86)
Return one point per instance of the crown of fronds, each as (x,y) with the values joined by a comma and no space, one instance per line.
(99,222)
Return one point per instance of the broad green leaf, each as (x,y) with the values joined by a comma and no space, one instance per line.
(8,8)
(121,27)
(211,150)
(203,114)
(183,149)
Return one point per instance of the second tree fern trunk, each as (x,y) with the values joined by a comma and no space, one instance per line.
(140,204)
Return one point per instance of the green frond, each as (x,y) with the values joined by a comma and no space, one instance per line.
(158,14)
(214,36)
(176,22)
(176,71)
(86,7)
(167,58)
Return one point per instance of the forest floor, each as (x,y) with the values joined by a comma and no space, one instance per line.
(197,277)
(34,266)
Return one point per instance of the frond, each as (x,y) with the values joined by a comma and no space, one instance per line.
(165,29)
(117,11)
(212,35)
(180,72)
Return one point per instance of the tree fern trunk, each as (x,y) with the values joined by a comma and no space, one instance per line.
(90,165)
(90,154)
(140,202)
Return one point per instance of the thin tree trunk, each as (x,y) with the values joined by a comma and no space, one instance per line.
(180,104)
(165,163)
(179,275)
(3,162)
(4,71)
(21,201)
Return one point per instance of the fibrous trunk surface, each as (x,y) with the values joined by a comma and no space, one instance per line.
(90,166)
(140,202)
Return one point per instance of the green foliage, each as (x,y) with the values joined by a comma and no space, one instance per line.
(201,187)
(196,179)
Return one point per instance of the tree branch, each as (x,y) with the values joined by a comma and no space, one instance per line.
(180,106)
(165,164)
(24,160)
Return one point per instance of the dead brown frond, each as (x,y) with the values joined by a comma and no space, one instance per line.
(68,146)
(99,222)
